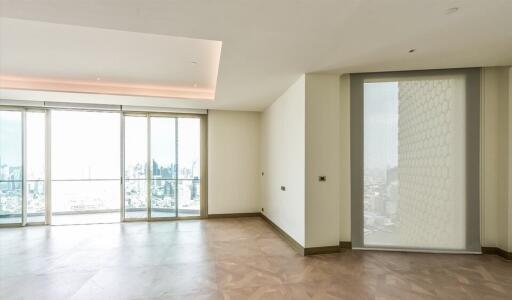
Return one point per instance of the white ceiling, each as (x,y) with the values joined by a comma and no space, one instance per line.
(66,57)
(267,44)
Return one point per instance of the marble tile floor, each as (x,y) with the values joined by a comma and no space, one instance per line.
(242,258)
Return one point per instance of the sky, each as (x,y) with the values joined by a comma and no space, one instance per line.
(87,144)
(380,125)
(10,138)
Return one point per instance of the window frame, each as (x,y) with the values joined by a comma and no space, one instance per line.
(203,212)
(472,114)
(24,107)
(24,180)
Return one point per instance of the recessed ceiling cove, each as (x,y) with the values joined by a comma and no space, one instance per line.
(65,58)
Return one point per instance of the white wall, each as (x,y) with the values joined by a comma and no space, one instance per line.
(292,157)
(283,161)
(322,159)
(509,150)
(233,162)
(497,158)
(494,156)
(300,142)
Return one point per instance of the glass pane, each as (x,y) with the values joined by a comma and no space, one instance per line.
(135,197)
(136,157)
(188,197)
(10,166)
(35,202)
(10,145)
(85,167)
(163,198)
(35,167)
(85,145)
(414,164)
(35,145)
(163,148)
(189,148)
(10,202)
(136,149)
(78,202)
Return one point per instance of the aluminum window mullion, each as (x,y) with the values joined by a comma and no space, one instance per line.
(203,172)
(122,168)
(177,165)
(149,166)
(24,168)
(48,169)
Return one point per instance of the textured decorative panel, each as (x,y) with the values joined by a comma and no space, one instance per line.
(431,163)
(414,163)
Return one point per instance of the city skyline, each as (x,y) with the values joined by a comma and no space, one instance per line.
(92,183)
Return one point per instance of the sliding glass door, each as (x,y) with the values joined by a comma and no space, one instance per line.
(85,163)
(163,167)
(36,166)
(66,166)
(419,161)
(22,167)
(136,168)
(189,166)
(11,163)
(169,185)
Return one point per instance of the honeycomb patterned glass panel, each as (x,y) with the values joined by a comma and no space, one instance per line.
(414,163)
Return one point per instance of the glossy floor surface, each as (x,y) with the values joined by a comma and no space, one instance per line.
(225,259)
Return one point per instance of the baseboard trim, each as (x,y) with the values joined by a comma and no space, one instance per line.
(345,245)
(497,251)
(295,245)
(235,215)
(330,249)
(298,247)
(322,250)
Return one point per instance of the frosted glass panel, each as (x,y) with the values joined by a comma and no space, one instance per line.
(414,163)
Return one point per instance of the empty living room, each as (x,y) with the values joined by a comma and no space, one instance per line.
(265,149)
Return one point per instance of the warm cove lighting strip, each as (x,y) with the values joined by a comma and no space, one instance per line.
(101,87)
